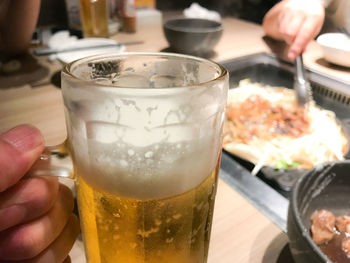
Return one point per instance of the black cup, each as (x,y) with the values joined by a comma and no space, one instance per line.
(192,36)
(323,187)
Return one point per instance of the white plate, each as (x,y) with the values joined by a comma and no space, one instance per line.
(68,57)
(336,48)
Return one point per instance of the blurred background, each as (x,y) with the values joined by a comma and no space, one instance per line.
(54,13)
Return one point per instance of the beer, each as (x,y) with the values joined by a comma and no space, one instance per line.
(93,14)
(150,203)
(128,12)
(172,229)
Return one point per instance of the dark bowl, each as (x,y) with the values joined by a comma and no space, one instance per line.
(192,35)
(323,187)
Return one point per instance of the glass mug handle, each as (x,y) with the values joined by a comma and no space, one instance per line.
(54,161)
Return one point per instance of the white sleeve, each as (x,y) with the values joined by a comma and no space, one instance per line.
(339,12)
(326,3)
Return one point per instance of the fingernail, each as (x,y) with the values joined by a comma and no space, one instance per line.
(291,55)
(23,138)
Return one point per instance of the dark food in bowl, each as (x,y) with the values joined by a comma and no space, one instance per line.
(332,235)
(343,224)
(192,35)
(326,187)
(322,227)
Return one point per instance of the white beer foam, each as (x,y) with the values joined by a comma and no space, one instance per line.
(155,171)
(146,146)
(162,162)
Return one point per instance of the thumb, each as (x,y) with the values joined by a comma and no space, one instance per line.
(19,149)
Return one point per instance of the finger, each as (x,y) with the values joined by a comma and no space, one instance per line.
(19,148)
(27,200)
(284,17)
(291,26)
(272,20)
(306,33)
(57,252)
(28,240)
(59,249)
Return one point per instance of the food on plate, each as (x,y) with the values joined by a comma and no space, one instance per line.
(265,126)
(332,235)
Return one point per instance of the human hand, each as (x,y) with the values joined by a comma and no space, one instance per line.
(36,219)
(296,22)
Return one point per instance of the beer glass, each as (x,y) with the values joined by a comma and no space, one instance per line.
(94,18)
(144,133)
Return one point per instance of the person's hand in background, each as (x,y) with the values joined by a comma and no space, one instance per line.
(296,22)
(36,219)
(18,19)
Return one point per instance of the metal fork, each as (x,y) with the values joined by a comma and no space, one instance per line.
(301,86)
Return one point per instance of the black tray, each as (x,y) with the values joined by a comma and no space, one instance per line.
(268,69)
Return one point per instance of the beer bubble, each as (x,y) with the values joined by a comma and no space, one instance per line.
(116,237)
(199,206)
(169,158)
(149,162)
(146,233)
(117,215)
(169,240)
(155,229)
(149,154)
(131,152)
(195,231)
(157,222)
(177,216)
(123,163)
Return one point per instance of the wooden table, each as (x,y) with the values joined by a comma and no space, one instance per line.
(240,232)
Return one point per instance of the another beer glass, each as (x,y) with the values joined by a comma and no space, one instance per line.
(144,133)
(94,18)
